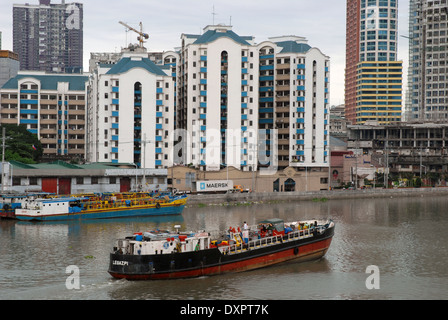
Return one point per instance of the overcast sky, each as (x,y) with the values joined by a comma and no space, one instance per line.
(322,22)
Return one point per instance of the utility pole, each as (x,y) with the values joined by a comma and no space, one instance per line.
(3,158)
(144,161)
(329,168)
(421,151)
(386,162)
(253,167)
(356,163)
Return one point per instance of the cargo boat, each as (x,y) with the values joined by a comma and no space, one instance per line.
(164,255)
(100,207)
(10,202)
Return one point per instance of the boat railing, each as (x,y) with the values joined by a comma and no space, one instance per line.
(272,240)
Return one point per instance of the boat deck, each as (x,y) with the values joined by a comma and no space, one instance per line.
(269,241)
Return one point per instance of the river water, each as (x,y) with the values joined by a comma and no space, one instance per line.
(405,238)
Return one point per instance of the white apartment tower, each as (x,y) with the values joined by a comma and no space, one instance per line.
(131,112)
(251,105)
(217,98)
(294,101)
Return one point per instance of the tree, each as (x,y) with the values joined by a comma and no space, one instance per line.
(19,144)
(418,182)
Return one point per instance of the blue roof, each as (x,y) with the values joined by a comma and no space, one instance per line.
(212,35)
(127,64)
(292,46)
(64,199)
(50,81)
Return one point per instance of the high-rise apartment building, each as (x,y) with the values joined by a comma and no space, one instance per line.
(249,105)
(427,95)
(52,106)
(351,57)
(9,66)
(373,74)
(228,101)
(215,105)
(131,111)
(293,104)
(49,37)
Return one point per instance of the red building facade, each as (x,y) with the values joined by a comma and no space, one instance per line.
(351,58)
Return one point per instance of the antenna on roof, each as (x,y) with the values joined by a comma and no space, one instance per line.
(214,14)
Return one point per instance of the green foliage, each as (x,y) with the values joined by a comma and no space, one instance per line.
(19,144)
(418,182)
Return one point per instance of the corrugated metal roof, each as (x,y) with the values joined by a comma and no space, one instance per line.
(20,165)
(55,165)
(101,166)
(61,165)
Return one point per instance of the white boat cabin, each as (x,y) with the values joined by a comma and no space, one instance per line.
(144,244)
(44,207)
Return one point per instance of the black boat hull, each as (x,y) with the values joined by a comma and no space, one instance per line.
(213,262)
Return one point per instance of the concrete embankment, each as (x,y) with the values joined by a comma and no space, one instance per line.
(267,197)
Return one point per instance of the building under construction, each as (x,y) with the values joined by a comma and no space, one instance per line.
(418,148)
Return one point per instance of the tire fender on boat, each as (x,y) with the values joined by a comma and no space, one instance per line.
(296,250)
(158,205)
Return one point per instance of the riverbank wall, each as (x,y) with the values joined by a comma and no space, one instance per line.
(200,200)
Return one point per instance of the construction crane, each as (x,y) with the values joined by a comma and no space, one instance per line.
(142,35)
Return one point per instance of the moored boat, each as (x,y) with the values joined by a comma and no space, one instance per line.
(149,255)
(10,202)
(103,206)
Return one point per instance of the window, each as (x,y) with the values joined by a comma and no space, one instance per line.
(382,45)
(383,24)
(382,34)
(370,46)
(371,35)
(94,180)
(16,181)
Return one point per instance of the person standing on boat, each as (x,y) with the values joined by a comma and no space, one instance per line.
(245,232)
